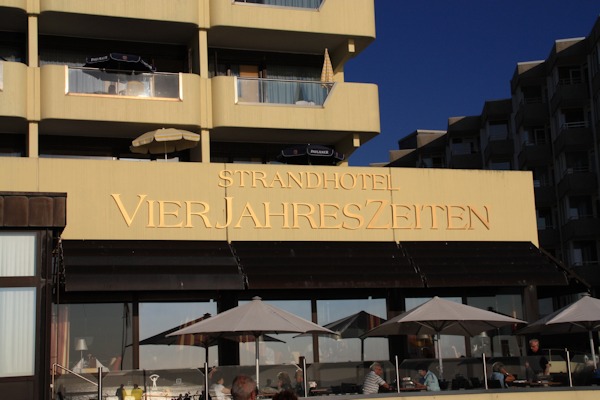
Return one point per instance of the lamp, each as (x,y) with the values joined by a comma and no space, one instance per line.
(81,345)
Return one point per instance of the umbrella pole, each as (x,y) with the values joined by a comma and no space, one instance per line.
(257,358)
(362,349)
(568,357)
(484,371)
(206,379)
(592,348)
(439,346)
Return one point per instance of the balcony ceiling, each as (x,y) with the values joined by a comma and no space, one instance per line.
(282,41)
(104,129)
(124,29)
(284,136)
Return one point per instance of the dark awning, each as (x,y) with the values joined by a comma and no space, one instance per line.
(468,264)
(95,265)
(325,265)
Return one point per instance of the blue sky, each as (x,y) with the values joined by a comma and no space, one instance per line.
(435,59)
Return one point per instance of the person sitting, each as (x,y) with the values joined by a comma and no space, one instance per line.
(374,381)
(299,387)
(137,392)
(243,388)
(428,379)
(284,382)
(217,390)
(499,373)
(536,363)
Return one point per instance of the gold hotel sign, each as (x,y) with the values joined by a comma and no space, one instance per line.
(119,200)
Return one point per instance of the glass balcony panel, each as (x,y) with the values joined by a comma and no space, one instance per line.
(117,83)
(285,3)
(276,91)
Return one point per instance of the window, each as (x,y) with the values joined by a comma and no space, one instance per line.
(17,305)
(584,252)
(340,349)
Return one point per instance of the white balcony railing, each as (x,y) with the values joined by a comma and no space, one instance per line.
(93,81)
(314,4)
(278,91)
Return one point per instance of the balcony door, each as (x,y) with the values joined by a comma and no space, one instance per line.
(249,84)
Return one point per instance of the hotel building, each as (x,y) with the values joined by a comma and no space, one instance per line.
(102,246)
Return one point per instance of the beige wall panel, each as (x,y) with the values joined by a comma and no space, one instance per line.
(475,205)
(163,10)
(13,96)
(349,17)
(202,201)
(352,107)
(57,104)
(19,174)
(22,4)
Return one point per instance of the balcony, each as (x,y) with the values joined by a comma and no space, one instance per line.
(73,95)
(544,195)
(466,161)
(535,155)
(238,24)
(531,112)
(581,228)
(241,107)
(574,136)
(589,271)
(187,11)
(13,96)
(569,93)
(499,148)
(577,181)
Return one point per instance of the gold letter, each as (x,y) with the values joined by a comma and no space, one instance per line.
(308,215)
(485,222)
(248,212)
(323,214)
(460,216)
(382,206)
(228,213)
(162,213)
(349,214)
(201,214)
(128,219)
(269,214)
(405,216)
(225,176)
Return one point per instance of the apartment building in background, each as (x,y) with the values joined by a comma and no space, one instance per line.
(549,126)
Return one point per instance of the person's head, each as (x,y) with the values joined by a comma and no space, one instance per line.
(422,369)
(243,388)
(218,377)
(284,378)
(135,385)
(377,368)
(122,386)
(299,376)
(285,395)
(534,345)
(497,366)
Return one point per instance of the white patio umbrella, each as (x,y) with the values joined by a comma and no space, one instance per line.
(164,140)
(254,318)
(580,316)
(438,316)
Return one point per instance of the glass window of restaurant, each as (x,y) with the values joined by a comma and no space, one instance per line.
(91,336)
(349,349)
(156,318)
(18,267)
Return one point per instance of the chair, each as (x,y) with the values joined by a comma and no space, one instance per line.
(494,384)
(135,88)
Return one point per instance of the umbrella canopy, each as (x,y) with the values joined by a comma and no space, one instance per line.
(119,62)
(164,140)
(581,316)
(254,318)
(438,316)
(355,326)
(327,71)
(310,154)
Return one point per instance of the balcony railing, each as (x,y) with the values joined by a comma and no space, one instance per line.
(314,4)
(278,91)
(93,81)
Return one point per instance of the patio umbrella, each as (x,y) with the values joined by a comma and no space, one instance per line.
(327,72)
(580,316)
(119,62)
(354,327)
(164,140)
(310,154)
(254,318)
(438,316)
